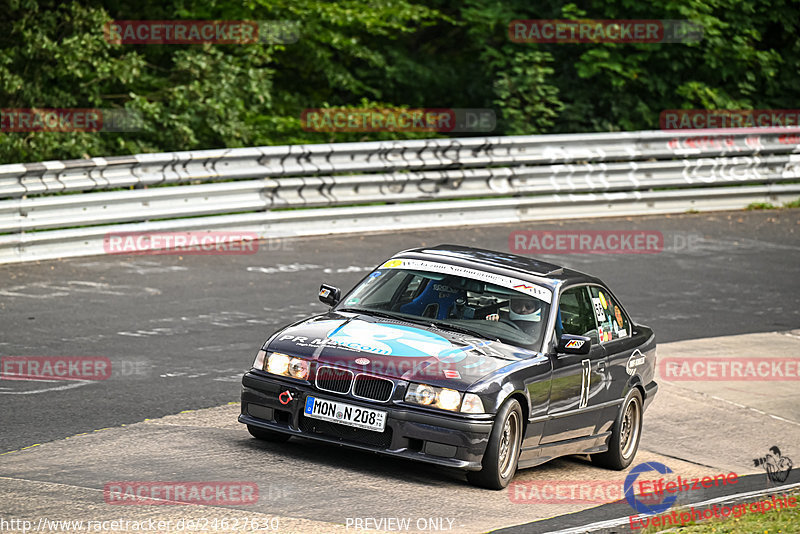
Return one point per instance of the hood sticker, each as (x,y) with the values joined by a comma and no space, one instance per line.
(391,340)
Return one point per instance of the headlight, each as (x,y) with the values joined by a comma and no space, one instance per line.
(285,365)
(298,368)
(449,399)
(421,394)
(446,399)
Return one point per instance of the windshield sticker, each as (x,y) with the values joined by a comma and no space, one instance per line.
(529,288)
(353,300)
(598,310)
(603,300)
(618,316)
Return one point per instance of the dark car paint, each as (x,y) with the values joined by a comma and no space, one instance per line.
(557,423)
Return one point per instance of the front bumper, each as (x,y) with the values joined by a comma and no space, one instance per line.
(447,440)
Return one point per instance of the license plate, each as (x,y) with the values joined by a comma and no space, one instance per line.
(345,414)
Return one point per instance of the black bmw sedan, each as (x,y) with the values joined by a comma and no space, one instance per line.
(461,357)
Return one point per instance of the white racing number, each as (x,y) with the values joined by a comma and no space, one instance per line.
(585,382)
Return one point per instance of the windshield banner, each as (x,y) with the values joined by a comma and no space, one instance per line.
(529,288)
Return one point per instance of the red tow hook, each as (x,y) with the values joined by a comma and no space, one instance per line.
(285,395)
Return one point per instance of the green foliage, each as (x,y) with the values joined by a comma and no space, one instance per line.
(380,53)
(761,206)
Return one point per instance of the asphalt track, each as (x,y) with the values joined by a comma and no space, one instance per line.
(180,330)
(309,487)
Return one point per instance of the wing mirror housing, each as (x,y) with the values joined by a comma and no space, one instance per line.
(569,344)
(329,295)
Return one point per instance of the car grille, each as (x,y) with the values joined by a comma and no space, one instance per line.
(334,380)
(372,387)
(347,433)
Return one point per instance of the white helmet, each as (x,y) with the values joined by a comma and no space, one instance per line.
(525,309)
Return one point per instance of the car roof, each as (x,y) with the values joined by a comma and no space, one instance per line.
(501,263)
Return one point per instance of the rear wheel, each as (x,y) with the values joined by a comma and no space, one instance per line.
(502,453)
(624,440)
(267,435)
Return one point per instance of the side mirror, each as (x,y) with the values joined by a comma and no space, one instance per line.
(329,295)
(569,344)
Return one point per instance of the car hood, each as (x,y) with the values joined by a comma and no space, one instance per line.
(396,349)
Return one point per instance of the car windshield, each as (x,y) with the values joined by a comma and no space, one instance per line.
(452,301)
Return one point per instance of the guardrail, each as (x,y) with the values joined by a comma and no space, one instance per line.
(65,208)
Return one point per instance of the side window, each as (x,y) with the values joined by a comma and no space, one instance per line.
(611,320)
(577,313)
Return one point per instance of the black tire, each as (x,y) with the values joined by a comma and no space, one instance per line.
(267,435)
(627,431)
(502,453)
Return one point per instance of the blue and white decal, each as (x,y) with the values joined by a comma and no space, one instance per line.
(391,340)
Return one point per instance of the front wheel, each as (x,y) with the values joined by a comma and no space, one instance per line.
(502,453)
(267,435)
(624,440)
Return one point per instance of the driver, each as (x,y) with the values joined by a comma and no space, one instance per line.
(524,312)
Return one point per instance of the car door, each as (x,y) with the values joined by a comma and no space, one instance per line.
(578,379)
(620,342)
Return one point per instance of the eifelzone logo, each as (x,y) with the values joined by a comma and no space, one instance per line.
(638,505)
